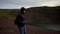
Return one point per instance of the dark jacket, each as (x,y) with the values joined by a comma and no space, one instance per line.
(20,20)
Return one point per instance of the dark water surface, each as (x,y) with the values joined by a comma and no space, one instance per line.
(48,26)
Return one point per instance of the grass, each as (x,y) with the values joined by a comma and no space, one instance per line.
(9,13)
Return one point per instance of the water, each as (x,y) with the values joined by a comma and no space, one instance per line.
(48,26)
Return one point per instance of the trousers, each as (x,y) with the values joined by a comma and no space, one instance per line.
(22,30)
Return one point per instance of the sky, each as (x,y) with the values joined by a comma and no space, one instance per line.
(12,4)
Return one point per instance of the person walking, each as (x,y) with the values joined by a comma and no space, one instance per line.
(20,21)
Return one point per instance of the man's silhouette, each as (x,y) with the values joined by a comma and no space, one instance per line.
(20,21)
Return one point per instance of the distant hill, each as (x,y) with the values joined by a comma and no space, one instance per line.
(44,15)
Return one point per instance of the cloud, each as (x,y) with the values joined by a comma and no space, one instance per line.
(24,2)
(51,3)
(28,3)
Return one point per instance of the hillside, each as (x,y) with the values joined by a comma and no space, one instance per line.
(9,13)
(44,15)
(35,14)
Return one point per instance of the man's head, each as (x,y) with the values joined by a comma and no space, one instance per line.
(22,10)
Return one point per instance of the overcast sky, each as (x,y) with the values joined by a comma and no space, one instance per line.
(27,3)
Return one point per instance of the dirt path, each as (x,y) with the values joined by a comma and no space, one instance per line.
(8,27)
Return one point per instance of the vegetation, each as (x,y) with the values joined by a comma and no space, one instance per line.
(35,14)
(45,15)
(9,13)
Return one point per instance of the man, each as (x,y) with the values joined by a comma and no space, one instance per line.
(20,21)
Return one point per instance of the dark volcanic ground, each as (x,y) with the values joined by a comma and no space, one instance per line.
(7,26)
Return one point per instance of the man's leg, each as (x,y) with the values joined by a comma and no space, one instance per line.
(22,30)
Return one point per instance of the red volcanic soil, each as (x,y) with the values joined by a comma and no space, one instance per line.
(7,26)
